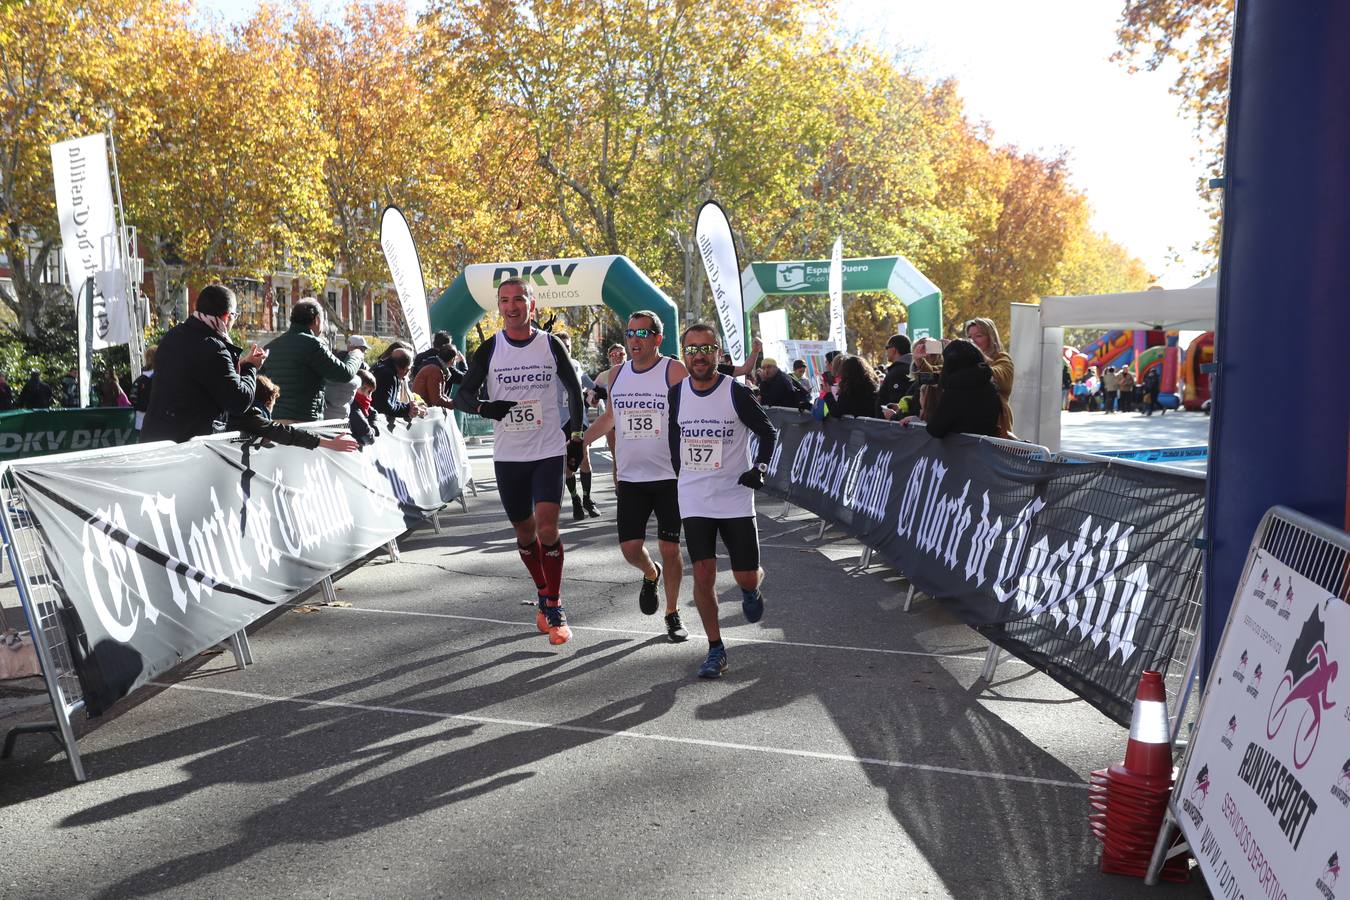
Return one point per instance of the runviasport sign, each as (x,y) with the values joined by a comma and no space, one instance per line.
(1080,570)
(162,552)
(1264,798)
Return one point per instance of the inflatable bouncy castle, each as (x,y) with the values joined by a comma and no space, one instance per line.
(1195,381)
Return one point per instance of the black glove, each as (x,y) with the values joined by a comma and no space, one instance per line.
(575,450)
(752,478)
(495,409)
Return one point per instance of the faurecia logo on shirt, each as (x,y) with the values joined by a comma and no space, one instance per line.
(1302,695)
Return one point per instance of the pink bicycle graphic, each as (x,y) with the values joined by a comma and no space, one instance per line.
(1312,689)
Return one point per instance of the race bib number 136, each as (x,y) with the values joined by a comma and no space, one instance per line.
(701,454)
(524,416)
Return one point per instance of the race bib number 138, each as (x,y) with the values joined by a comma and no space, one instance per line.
(701,454)
(524,416)
(644,425)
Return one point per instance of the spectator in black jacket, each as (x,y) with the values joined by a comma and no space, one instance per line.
(141,387)
(438,340)
(777,388)
(969,403)
(36,393)
(362,417)
(388,373)
(201,378)
(857,390)
(257,422)
(896,382)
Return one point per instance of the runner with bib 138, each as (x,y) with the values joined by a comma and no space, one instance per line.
(711,419)
(644,480)
(520,368)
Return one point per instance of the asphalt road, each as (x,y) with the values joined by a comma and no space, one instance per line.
(427,741)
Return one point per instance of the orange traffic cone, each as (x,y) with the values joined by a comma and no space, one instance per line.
(1127,801)
(1149,751)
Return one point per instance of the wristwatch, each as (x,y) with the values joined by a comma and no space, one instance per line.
(578,435)
(763,467)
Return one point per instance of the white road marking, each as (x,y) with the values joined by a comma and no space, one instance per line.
(634,735)
(725,638)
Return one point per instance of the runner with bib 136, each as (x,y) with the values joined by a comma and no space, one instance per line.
(520,368)
(644,480)
(711,419)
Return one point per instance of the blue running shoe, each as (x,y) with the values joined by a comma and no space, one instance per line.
(752,604)
(715,664)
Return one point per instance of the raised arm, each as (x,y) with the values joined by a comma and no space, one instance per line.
(756,419)
(468,400)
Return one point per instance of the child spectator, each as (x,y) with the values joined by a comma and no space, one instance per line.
(257,422)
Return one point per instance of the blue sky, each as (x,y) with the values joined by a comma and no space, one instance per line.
(1039,73)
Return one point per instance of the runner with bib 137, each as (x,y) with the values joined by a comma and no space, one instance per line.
(644,480)
(520,368)
(711,419)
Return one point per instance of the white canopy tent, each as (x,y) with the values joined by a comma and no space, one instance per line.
(1037,341)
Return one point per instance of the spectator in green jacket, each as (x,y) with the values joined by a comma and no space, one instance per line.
(300,362)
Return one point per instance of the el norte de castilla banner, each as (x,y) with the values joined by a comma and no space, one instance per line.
(1079,569)
(161,552)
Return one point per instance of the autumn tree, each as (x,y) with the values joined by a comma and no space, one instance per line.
(228,180)
(1198,36)
(66,67)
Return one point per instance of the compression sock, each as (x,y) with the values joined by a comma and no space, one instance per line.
(572,486)
(553,567)
(585,485)
(532,557)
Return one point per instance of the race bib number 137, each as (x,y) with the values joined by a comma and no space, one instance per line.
(701,454)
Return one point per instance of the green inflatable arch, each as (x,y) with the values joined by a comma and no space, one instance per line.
(922,298)
(585,281)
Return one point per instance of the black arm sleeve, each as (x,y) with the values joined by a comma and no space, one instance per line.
(673,427)
(455,376)
(756,419)
(469,389)
(568,373)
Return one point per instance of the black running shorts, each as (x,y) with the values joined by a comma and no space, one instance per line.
(639,499)
(739,536)
(523,484)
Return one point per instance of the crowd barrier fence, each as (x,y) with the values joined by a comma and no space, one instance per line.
(107,543)
(1177,650)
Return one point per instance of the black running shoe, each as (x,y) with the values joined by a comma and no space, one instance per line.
(589,505)
(675,629)
(647,599)
(577,513)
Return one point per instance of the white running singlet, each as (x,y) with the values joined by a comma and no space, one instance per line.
(531,430)
(639,401)
(714,453)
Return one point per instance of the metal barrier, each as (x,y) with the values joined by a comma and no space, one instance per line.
(1312,549)
(45,610)
(1183,661)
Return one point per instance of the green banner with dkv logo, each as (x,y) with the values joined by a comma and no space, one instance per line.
(38,432)
(895,274)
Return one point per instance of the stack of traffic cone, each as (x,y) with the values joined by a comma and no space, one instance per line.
(1128,800)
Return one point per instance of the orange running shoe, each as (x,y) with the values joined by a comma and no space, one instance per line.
(556,620)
